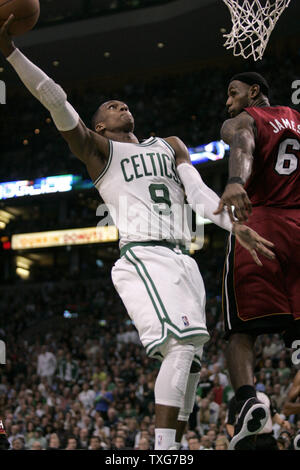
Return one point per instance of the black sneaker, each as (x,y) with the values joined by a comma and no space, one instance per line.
(252,419)
(297,442)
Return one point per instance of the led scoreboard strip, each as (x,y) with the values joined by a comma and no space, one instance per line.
(48,185)
(62,183)
(78,236)
(208,152)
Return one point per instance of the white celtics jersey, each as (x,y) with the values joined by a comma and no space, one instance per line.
(143,192)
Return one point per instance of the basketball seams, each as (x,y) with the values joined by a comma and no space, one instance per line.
(20,19)
(8,1)
(23,17)
(26,14)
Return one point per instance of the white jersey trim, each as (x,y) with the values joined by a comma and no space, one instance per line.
(107,164)
(168,146)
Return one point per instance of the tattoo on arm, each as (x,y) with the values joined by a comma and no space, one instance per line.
(240,136)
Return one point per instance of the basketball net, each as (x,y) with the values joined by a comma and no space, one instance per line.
(253,23)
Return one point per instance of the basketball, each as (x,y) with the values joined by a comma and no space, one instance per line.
(26,14)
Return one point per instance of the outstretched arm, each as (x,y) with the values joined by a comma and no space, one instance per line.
(89,147)
(239,134)
(199,195)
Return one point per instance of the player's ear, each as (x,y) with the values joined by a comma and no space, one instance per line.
(254,91)
(100,127)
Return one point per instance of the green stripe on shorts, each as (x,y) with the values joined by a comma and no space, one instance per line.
(167,324)
(152,284)
(147,287)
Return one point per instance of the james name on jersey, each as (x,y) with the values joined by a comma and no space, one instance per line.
(279,125)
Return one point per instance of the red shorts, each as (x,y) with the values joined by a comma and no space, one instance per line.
(264,299)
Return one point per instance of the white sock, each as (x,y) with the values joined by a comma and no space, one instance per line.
(164,438)
(177,445)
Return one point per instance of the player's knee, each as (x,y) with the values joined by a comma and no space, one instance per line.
(174,372)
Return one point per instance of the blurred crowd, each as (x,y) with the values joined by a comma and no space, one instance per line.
(85,382)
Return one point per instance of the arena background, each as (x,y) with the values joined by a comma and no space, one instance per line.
(166,60)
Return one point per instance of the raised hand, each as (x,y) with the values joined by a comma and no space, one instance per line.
(6,44)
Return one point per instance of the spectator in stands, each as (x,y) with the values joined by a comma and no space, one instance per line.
(36,445)
(277,397)
(118,443)
(284,372)
(144,444)
(71,444)
(208,413)
(94,443)
(103,400)
(38,437)
(217,391)
(15,434)
(216,370)
(54,443)
(29,431)
(205,383)
(67,369)
(205,443)
(222,443)
(83,442)
(46,365)
(194,443)
(17,443)
(87,396)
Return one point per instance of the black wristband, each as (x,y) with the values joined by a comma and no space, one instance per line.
(235,179)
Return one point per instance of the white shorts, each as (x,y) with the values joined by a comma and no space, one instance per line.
(163,292)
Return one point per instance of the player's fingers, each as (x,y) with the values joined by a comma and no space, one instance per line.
(240,213)
(264,251)
(220,207)
(240,208)
(255,257)
(265,242)
(230,213)
(247,202)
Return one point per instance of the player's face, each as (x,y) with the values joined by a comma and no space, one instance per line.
(115,115)
(238,98)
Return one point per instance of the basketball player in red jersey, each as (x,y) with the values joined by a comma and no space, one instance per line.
(263,187)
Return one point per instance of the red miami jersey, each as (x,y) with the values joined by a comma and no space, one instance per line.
(275,177)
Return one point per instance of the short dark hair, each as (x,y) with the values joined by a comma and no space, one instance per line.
(95,119)
(253,78)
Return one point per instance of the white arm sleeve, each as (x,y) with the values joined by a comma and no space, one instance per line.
(198,194)
(51,95)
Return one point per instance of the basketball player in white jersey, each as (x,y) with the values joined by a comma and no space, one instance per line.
(161,287)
